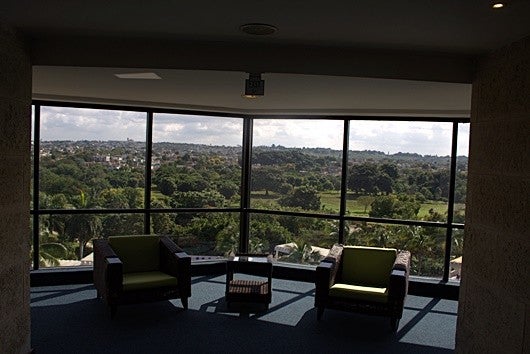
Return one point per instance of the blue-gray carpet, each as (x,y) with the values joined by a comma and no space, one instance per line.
(69,319)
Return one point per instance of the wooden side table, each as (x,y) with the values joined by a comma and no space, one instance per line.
(242,290)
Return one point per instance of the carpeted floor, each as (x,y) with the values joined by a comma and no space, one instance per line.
(69,319)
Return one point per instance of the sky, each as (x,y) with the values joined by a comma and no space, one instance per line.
(425,138)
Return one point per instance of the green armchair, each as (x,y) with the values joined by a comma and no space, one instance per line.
(368,280)
(144,268)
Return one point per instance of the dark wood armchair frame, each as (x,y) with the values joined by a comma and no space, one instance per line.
(108,276)
(329,273)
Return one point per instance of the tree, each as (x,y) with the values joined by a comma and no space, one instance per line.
(194,199)
(228,189)
(362,178)
(269,231)
(303,197)
(266,179)
(384,183)
(161,223)
(396,207)
(50,251)
(113,199)
(167,186)
(83,227)
(390,170)
(383,206)
(365,201)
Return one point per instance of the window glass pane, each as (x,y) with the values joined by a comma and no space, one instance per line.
(31,240)
(461,172)
(66,240)
(121,224)
(292,239)
(196,161)
(456,255)
(426,244)
(296,165)
(31,155)
(202,235)
(399,170)
(91,158)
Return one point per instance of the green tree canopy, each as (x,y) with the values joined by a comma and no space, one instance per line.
(302,197)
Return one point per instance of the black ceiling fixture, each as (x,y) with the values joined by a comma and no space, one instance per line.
(258,29)
(254,86)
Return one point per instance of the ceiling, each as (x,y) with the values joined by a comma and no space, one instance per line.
(345,57)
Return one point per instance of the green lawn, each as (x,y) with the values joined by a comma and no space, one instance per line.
(330,201)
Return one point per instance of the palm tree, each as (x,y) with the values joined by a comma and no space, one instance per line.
(83,227)
(50,252)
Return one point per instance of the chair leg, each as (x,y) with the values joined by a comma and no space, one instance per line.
(394,324)
(320,312)
(184,302)
(113,310)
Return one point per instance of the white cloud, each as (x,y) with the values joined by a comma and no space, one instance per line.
(58,123)
(298,133)
(426,138)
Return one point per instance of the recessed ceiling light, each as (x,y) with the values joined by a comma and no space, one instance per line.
(498,5)
(139,76)
(258,29)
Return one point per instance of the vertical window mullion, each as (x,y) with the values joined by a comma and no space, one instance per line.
(36,177)
(245,185)
(451,203)
(344,179)
(147,184)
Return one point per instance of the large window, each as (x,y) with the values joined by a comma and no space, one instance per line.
(221,184)
(195,161)
(88,159)
(398,170)
(296,165)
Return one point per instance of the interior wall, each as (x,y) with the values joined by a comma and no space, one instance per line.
(494,305)
(15,118)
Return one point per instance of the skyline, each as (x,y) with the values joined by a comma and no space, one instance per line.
(424,138)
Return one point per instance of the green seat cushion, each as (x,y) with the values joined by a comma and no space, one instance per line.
(137,253)
(367,266)
(147,280)
(357,292)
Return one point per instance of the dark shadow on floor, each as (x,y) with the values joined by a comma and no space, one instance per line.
(66,324)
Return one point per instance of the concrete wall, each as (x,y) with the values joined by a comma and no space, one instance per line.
(494,307)
(15,119)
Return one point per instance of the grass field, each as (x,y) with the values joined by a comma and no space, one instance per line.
(330,200)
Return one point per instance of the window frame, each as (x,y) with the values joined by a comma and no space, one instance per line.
(244,208)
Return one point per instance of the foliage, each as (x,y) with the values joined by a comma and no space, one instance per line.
(304,197)
(395,207)
(93,175)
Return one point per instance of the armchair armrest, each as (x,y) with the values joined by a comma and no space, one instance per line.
(323,282)
(108,269)
(176,263)
(399,277)
(102,251)
(114,276)
(402,261)
(326,274)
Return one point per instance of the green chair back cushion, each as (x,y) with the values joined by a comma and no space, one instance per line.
(367,266)
(137,253)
